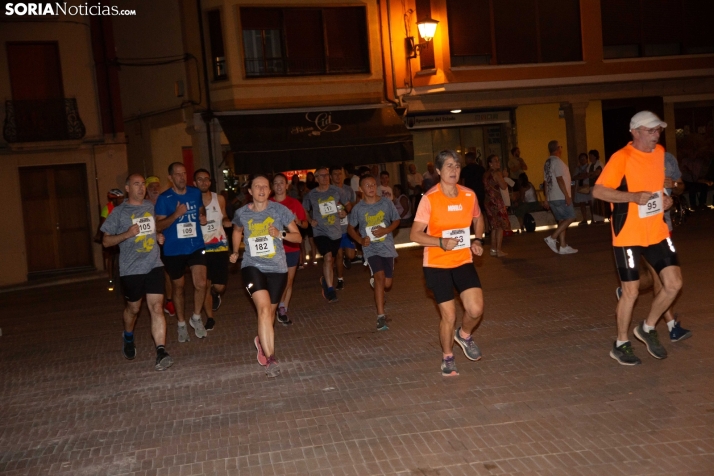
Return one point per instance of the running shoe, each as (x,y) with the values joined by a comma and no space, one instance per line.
(357,259)
(340,285)
(651,340)
(163,360)
(346,261)
(262,359)
(169,308)
(678,332)
(216,301)
(552,244)
(624,354)
(618,292)
(382,323)
(198,327)
(567,250)
(272,369)
(493,252)
(210,324)
(183,334)
(282,317)
(129,349)
(332,296)
(470,348)
(448,367)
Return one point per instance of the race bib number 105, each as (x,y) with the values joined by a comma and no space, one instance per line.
(146,225)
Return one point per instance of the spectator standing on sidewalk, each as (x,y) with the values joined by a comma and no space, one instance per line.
(557,192)
(516,165)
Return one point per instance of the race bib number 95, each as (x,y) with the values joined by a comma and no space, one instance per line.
(653,206)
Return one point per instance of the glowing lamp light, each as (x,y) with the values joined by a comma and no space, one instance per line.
(427,28)
(455,111)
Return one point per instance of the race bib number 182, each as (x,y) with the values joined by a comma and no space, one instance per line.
(261,246)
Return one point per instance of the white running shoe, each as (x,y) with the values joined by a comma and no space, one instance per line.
(552,244)
(567,250)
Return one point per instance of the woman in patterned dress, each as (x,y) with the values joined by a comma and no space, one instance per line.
(495,208)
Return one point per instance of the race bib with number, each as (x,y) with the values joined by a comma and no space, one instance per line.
(209,227)
(261,245)
(371,235)
(344,221)
(328,208)
(186,230)
(653,206)
(146,225)
(461,234)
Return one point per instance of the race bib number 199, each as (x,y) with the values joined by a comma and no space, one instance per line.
(653,206)
(460,234)
(261,246)
(146,225)
(186,230)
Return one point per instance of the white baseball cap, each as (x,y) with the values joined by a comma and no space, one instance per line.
(646,119)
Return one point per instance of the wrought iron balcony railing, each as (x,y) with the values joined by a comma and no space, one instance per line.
(42,120)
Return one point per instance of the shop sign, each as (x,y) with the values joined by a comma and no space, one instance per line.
(460,119)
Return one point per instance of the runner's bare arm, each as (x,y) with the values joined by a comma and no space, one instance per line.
(293,235)
(112,240)
(616,196)
(202,216)
(236,239)
(226,222)
(419,236)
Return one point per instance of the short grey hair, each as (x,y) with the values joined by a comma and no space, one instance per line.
(552,146)
(444,155)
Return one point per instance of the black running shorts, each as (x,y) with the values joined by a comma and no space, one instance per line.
(135,286)
(380,263)
(443,281)
(256,280)
(659,256)
(326,245)
(217,266)
(176,265)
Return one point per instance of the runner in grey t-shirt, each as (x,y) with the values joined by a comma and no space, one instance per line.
(346,252)
(132,226)
(321,205)
(261,226)
(372,222)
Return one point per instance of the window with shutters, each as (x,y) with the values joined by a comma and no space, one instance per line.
(215,36)
(496,32)
(304,41)
(642,28)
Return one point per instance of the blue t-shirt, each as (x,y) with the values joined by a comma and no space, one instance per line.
(184,235)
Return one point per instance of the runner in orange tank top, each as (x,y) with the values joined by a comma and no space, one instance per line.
(441,225)
(633,181)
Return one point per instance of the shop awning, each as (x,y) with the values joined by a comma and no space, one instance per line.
(272,142)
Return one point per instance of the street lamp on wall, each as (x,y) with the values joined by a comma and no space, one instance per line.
(427,29)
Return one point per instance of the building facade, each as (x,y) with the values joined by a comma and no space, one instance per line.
(62,147)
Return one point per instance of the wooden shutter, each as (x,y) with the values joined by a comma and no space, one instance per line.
(346,33)
(559,22)
(516,34)
(304,40)
(469,27)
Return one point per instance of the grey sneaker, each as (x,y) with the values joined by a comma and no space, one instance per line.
(651,340)
(624,354)
(163,360)
(272,369)
(197,325)
(448,367)
(183,334)
(382,323)
(470,348)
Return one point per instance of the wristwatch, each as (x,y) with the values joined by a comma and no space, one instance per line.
(283,234)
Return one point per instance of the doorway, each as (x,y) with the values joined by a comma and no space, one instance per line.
(55,207)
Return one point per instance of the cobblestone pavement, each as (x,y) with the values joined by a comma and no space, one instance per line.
(545,399)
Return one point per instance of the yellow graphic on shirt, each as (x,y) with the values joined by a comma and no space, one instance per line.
(260,229)
(374,220)
(147,241)
(330,216)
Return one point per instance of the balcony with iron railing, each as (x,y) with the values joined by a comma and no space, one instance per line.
(42,120)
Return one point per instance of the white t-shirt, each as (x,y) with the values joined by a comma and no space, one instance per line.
(553,168)
(415,179)
(385,192)
(354,183)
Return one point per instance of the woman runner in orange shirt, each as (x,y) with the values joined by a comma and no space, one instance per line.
(441,225)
